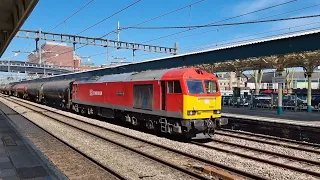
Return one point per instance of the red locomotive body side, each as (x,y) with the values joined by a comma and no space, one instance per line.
(120,94)
(89,92)
(155,94)
(117,94)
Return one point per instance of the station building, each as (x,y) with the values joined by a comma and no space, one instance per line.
(229,80)
(58,54)
(298,80)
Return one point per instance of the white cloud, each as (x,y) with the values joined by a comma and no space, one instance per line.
(292,23)
(253,5)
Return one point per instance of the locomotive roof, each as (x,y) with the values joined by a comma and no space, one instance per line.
(144,75)
(135,76)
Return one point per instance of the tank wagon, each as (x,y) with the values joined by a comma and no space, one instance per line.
(8,89)
(57,93)
(34,91)
(180,101)
(2,88)
(20,90)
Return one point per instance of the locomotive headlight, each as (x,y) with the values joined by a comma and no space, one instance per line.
(217,112)
(191,113)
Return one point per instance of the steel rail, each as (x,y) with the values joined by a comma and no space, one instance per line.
(212,163)
(186,171)
(105,167)
(317,174)
(269,142)
(272,138)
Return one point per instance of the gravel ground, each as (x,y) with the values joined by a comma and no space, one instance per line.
(267,171)
(121,160)
(272,158)
(68,162)
(269,147)
(182,161)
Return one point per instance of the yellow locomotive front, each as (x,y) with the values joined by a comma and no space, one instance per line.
(202,105)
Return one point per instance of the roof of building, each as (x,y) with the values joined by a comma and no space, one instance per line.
(13,14)
(227,75)
(55,43)
(267,76)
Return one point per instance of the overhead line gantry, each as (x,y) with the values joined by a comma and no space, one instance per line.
(94,41)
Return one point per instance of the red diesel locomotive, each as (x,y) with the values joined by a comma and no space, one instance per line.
(183,101)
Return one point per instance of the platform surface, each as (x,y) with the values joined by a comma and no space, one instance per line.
(17,158)
(291,117)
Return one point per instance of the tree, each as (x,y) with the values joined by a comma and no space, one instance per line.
(289,80)
(210,68)
(257,76)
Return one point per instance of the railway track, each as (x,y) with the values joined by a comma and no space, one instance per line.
(303,146)
(113,174)
(270,157)
(178,160)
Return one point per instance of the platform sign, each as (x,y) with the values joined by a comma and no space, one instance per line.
(280,79)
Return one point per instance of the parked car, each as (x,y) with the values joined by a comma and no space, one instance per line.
(315,102)
(262,100)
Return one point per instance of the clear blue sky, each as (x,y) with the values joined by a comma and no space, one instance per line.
(48,14)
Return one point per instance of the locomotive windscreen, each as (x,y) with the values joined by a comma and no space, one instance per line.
(143,96)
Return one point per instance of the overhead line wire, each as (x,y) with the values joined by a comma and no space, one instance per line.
(255,11)
(108,17)
(204,32)
(98,23)
(157,17)
(72,15)
(233,17)
(103,20)
(255,34)
(226,24)
(233,42)
(154,18)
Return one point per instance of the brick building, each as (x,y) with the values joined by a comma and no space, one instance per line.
(59,54)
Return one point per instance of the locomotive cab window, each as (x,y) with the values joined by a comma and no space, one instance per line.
(170,87)
(195,87)
(211,86)
(177,87)
(174,87)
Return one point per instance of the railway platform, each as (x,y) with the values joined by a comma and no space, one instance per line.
(289,117)
(300,125)
(17,159)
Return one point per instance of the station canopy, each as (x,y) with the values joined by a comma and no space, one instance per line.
(302,59)
(13,13)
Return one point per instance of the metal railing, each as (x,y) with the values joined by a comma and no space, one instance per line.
(293,103)
(38,66)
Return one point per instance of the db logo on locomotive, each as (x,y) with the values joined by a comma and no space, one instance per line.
(95,93)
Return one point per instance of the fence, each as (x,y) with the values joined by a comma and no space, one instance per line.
(289,102)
